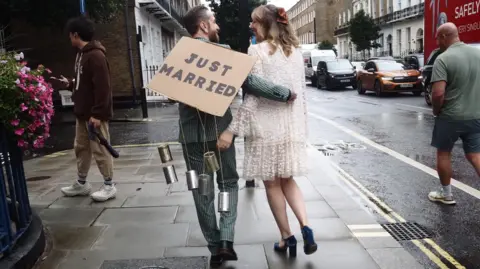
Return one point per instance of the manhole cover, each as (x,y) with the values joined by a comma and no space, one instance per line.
(404,231)
(38,178)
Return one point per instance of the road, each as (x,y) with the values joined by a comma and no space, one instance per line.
(397,165)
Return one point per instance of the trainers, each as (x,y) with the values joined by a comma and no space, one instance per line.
(105,193)
(438,196)
(77,189)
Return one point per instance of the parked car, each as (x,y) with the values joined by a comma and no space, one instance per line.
(335,74)
(389,76)
(381,58)
(415,61)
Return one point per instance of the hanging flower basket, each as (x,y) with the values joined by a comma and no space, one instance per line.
(26,107)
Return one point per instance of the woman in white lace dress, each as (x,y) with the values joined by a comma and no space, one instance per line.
(275,146)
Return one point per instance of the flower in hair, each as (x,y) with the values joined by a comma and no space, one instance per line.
(282,16)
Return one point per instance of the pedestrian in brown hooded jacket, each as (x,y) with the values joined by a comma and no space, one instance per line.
(92,97)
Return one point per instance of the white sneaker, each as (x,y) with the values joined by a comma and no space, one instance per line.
(438,196)
(105,193)
(77,189)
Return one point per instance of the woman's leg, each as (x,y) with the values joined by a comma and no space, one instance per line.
(295,199)
(277,203)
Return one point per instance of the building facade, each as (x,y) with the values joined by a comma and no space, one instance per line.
(401,24)
(302,18)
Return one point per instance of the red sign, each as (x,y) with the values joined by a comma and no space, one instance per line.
(464,13)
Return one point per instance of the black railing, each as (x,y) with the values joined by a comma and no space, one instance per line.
(342,29)
(15,211)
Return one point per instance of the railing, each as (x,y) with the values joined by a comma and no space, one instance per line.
(150,72)
(15,211)
(342,29)
(413,11)
(171,10)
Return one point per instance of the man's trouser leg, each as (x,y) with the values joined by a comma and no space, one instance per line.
(227,183)
(83,152)
(84,147)
(204,204)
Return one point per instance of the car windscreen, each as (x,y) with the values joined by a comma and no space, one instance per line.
(390,66)
(317,59)
(420,60)
(339,65)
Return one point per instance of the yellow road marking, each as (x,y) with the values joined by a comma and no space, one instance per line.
(444,254)
(394,217)
(430,254)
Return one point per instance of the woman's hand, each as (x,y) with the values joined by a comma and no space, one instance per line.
(225,140)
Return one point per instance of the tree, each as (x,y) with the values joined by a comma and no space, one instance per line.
(327,45)
(364,32)
(55,13)
(227,15)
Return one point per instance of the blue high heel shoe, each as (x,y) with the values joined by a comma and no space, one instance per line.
(309,246)
(290,244)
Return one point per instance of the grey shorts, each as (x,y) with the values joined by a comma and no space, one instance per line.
(447,132)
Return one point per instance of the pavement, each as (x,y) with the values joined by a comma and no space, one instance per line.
(153,225)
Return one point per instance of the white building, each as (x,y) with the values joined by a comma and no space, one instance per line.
(400,21)
(159,24)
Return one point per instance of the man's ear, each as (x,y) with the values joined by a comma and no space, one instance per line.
(204,26)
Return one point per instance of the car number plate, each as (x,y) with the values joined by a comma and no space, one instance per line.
(345,80)
(406,85)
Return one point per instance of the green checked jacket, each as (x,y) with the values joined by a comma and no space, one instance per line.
(192,125)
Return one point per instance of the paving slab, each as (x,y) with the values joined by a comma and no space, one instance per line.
(143,234)
(79,217)
(161,263)
(342,254)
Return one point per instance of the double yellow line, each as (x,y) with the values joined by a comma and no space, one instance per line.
(392,217)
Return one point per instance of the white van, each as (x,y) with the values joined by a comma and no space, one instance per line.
(313,57)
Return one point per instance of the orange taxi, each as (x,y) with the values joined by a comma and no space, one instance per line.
(383,76)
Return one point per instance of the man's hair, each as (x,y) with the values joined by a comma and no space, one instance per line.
(194,16)
(84,27)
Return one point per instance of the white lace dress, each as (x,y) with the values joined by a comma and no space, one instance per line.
(275,132)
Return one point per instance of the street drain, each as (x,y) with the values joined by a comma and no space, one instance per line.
(38,178)
(404,231)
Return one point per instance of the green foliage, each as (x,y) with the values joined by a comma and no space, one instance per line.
(227,15)
(55,13)
(364,32)
(327,45)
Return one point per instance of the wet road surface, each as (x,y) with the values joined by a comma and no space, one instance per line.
(402,123)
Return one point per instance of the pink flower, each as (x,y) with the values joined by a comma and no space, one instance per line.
(19,131)
(21,143)
(15,122)
(23,107)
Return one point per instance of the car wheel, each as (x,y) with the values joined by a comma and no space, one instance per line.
(417,93)
(360,90)
(314,81)
(318,84)
(428,94)
(378,88)
(354,86)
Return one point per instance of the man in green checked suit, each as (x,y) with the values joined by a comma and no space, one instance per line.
(199,132)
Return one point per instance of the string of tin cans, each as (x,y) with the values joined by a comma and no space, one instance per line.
(201,183)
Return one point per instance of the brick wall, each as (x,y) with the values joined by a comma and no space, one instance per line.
(51,47)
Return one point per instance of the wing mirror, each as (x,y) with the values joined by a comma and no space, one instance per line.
(309,65)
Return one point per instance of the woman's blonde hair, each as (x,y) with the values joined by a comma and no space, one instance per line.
(275,28)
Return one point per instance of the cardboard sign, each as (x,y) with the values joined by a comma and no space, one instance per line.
(202,75)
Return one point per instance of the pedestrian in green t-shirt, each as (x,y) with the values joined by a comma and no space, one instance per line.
(456,99)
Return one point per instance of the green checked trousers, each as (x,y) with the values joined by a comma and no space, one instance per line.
(205,204)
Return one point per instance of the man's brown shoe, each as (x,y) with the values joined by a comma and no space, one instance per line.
(226,251)
(216,261)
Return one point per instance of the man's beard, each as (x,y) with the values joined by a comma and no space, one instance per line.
(213,36)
